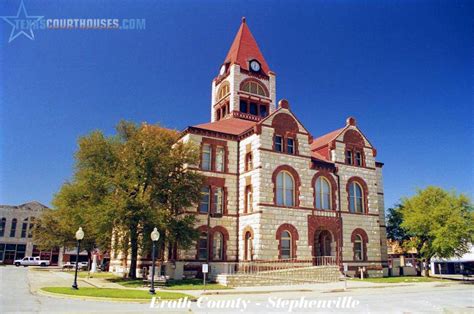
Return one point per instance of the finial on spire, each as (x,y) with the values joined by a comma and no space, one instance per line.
(243,19)
(351,121)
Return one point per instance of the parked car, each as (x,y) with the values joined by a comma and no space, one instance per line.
(31,261)
(72,265)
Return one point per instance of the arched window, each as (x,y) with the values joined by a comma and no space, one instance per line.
(224,90)
(285,190)
(253,87)
(285,245)
(218,247)
(358,248)
(248,254)
(323,193)
(202,249)
(13,228)
(356,199)
(3,223)
(24,228)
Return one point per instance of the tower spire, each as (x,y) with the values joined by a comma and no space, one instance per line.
(245,48)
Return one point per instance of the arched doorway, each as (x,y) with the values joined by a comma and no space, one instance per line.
(324,248)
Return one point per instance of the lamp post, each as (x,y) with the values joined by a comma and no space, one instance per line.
(155,235)
(79,237)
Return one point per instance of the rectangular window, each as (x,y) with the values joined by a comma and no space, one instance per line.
(206,157)
(3,224)
(202,255)
(24,228)
(219,200)
(2,251)
(290,147)
(358,159)
(263,111)
(13,228)
(204,205)
(349,157)
(243,106)
(278,143)
(220,158)
(253,108)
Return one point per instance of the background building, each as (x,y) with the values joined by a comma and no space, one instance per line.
(16,224)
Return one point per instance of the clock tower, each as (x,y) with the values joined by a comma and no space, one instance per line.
(245,86)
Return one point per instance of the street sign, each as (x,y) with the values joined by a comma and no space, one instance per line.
(346,267)
(205,268)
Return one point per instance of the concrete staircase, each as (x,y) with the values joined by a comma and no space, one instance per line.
(302,275)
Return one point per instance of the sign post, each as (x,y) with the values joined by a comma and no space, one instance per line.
(205,270)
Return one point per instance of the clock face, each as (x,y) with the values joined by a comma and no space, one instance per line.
(222,71)
(254,65)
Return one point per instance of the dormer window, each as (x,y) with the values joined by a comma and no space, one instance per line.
(290,146)
(358,159)
(278,143)
(354,157)
(349,157)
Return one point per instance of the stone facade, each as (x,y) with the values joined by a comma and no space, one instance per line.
(263,218)
(16,223)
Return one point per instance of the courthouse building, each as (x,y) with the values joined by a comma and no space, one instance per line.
(273,190)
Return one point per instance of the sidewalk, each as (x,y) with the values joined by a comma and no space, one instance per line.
(454,277)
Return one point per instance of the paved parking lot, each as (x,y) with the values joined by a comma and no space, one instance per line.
(18,288)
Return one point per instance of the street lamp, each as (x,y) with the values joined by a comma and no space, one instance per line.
(155,235)
(79,237)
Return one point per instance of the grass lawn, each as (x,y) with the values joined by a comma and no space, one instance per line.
(85,274)
(130,283)
(185,284)
(116,293)
(402,279)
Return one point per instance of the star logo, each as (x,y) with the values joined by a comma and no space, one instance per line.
(22,23)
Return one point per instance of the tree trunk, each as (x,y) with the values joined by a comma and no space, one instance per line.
(133,252)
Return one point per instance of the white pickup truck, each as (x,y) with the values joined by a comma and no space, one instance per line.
(31,261)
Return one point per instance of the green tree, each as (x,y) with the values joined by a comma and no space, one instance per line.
(441,223)
(126,184)
(395,231)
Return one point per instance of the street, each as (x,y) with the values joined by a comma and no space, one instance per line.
(17,284)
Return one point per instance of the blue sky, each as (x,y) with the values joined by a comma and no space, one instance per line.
(404,69)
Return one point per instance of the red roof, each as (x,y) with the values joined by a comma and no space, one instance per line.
(245,48)
(232,126)
(325,139)
(316,155)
